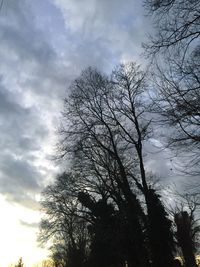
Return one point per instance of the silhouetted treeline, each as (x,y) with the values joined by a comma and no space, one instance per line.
(103,210)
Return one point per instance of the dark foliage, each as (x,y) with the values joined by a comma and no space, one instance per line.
(20,263)
(159,230)
(185,237)
(114,238)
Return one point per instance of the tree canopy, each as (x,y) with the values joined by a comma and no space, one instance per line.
(103,210)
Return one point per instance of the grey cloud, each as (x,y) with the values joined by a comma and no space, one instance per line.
(20,137)
(121,25)
(7,105)
(93,53)
(27,53)
(23,199)
(20,127)
(93,13)
(167,168)
(27,224)
(159,160)
(29,70)
(27,48)
(38,62)
(18,174)
(18,31)
(20,181)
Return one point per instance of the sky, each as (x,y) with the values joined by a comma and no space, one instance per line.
(44,45)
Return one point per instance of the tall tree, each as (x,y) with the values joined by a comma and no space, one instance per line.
(184,237)
(186,217)
(107,115)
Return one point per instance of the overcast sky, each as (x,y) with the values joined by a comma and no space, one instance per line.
(44,44)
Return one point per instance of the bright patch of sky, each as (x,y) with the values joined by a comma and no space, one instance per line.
(18,230)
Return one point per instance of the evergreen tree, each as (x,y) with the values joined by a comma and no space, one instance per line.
(161,241)
(185,238)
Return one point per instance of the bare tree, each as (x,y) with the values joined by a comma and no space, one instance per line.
(177,100)
(175,52)
(63,223)
(107,116)
(95,130)
(177,24)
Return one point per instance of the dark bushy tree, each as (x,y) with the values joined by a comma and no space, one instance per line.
(106,233)
(159,225)
(20,263)
(185,238)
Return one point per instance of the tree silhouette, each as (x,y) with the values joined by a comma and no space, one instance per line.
(103,211)
(107,117)
(20,263)
(106,237)
(184,237)
(159,224)
(63,223)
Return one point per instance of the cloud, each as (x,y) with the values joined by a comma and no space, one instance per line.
(18,174)
(27,224)
(158,159)
(25,55)
(44,46)
(117,26)
(19,180)
(21,130)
